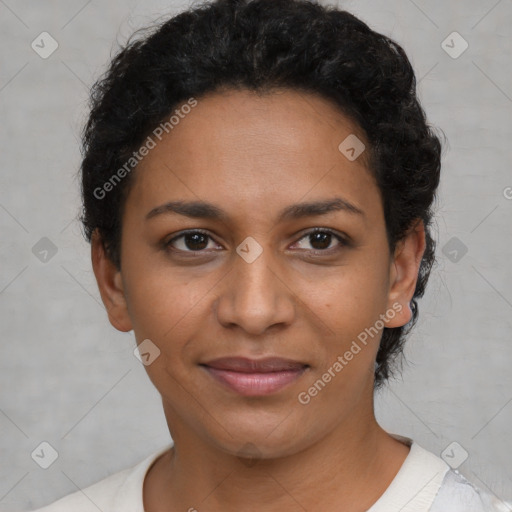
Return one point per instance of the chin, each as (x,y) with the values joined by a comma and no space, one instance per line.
(262,448)
(260,436)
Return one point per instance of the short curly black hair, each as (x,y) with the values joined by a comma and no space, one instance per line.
(261,45)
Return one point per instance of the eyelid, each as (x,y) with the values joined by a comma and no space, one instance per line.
(345,238)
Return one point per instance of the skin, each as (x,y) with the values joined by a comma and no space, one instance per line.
(252,156)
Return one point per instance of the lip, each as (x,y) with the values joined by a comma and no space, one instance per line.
(255,377)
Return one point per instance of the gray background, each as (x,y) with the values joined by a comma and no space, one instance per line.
(67,377)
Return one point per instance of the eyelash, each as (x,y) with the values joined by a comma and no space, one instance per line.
(343,241)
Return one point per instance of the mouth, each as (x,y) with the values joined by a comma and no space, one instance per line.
(255,377)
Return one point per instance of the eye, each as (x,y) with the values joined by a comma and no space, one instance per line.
(321,239)
(190,241)
(198,241)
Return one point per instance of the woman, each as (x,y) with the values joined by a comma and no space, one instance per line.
(257,184)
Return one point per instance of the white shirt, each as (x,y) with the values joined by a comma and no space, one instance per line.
(424,483)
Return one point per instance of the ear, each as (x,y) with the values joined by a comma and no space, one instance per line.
(404,274)
(110,284)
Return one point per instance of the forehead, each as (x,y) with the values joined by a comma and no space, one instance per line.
(248,151)
(279,122)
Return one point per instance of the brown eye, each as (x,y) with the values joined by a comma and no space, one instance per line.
(322,240)
(190,241)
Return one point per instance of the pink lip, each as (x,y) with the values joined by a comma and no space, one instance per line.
(255,377)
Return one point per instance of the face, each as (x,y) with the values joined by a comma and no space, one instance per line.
(288,260)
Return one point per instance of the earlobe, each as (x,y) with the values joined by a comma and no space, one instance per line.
(110,285)
(404,274)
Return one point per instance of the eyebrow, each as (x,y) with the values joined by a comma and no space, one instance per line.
(204,210)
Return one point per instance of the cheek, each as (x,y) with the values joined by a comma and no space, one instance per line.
(158,302)
(164,311)
(351,300)
(350,306)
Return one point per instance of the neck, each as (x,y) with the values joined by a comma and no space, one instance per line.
(348,469)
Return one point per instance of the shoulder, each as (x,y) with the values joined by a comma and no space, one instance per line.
(426,483)
(97,496)
(121,491)
(457,494)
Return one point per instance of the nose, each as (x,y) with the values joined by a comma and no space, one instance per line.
(255,296)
